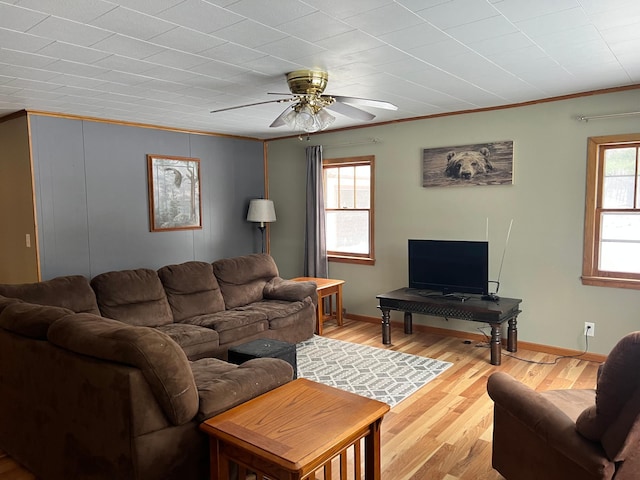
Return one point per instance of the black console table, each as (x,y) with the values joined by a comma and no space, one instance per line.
(468,307)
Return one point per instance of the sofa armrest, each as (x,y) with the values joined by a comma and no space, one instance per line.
(546,420)
(279,289)
(162,362)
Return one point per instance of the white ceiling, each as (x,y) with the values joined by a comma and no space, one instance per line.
(169,62)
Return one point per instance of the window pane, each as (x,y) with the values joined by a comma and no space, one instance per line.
(331,187)
(363,183)
(620,257)
(347,182)
(620,245)
(619,177)
(348,232)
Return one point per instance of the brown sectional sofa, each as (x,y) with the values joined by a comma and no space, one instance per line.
(109,379)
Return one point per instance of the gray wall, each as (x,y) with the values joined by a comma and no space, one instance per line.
(546,202)
(92,201)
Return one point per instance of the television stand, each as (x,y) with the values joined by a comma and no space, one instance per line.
(448,296)
(494,313)
(456,296)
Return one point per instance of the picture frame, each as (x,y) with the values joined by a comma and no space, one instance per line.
(175,202)
(475,164)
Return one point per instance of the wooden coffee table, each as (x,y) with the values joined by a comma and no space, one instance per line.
(296,429)
(326,288)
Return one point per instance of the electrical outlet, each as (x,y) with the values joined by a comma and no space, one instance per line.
(590,329)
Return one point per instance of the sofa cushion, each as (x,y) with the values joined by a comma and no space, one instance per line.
(233,325)
(191,289)
(135,297)
(222,386)
(31,320)
(242,279)
(197,342)
(613,418)
(277,310)
(72,292)
(162,362)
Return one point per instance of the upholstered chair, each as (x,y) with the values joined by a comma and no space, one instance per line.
(575,433)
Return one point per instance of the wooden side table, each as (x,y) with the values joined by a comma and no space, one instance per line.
(326,288)
(291,432)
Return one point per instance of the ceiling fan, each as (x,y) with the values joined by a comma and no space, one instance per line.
(307,110)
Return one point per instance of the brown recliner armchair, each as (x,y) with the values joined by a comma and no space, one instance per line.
(571,434)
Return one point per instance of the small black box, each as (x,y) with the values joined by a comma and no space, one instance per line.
(265,348)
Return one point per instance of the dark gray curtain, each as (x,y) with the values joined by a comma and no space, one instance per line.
(315,244)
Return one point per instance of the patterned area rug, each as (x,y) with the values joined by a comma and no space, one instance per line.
(376,373)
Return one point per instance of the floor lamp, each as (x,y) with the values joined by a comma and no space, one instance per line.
(261,211)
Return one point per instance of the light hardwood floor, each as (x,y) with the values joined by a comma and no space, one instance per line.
(443,431)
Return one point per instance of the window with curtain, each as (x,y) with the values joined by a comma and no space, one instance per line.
(612,220)
(348,191)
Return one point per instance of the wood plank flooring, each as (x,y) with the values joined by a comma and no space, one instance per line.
(443,431)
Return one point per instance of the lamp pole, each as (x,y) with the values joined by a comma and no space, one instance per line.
(261,211)
(262,226)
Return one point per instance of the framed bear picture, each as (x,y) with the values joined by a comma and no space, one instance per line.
(465,165)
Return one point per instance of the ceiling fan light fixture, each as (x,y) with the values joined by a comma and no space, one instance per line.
(290,118)
(324,118)
(306,118)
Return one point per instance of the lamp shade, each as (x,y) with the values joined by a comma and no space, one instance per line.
(261,210)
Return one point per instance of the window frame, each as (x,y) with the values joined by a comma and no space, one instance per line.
(591,274)
(369,160)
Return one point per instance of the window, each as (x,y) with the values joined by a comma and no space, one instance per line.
(348,190)
(612,213)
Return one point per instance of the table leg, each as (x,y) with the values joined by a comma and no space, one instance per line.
(223,467)
(512,335)
(408,322)
(214,458)
(339,305)
(386,326)
(496,347)
(242,471)
(372,470)
(319,315)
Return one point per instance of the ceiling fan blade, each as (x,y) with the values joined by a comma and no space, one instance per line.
(279,121)
(365,102)
(351,112)
(250,105)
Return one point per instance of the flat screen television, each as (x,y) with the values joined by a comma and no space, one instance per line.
(449,266)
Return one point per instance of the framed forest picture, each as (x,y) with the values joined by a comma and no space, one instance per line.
(174,193)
